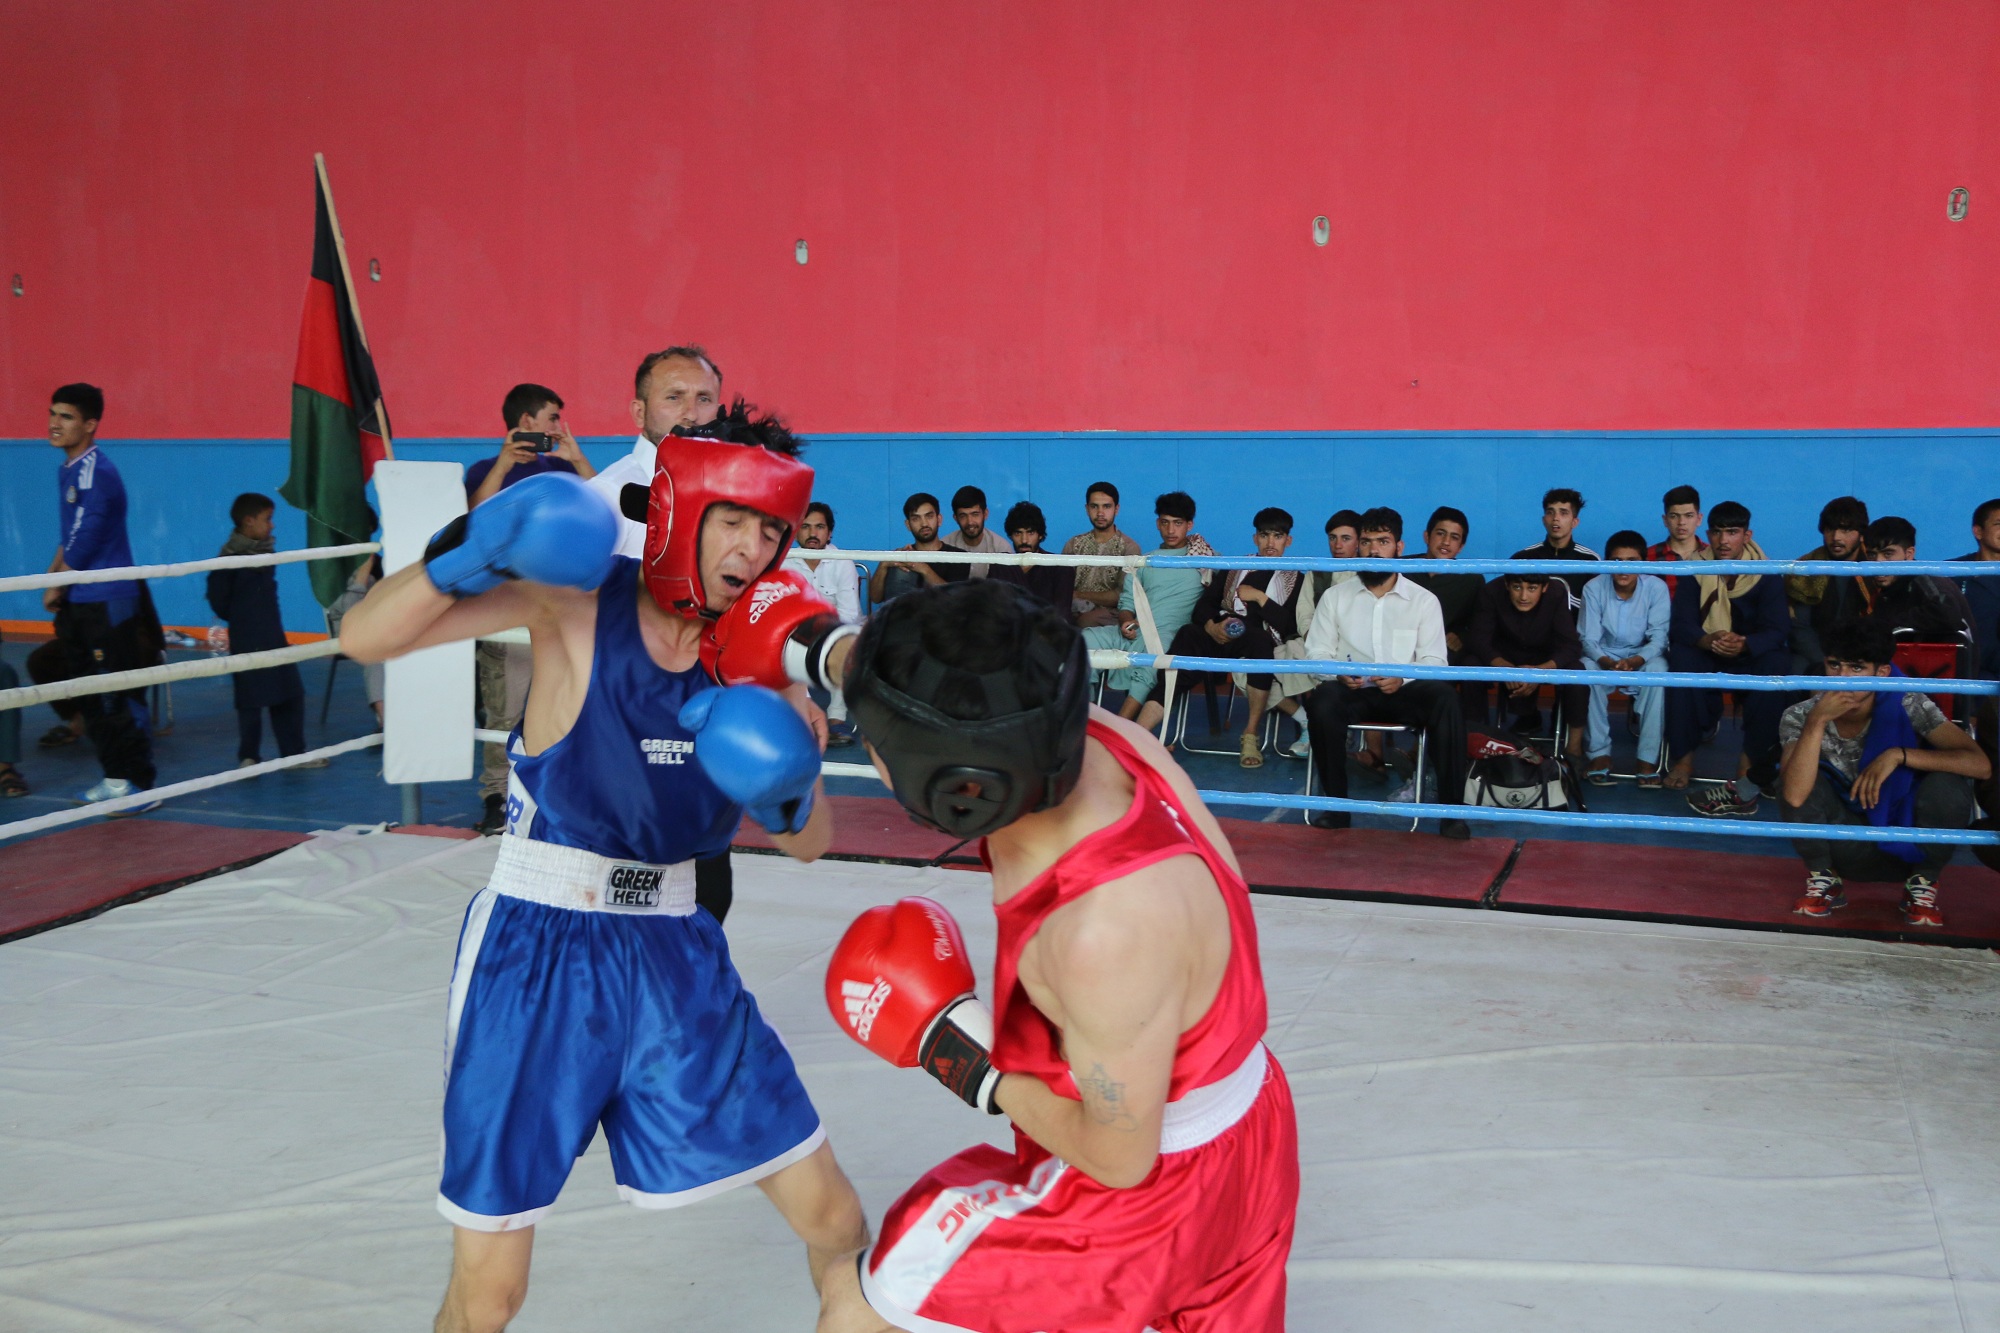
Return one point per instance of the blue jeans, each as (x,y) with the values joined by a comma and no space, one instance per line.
(1649,703)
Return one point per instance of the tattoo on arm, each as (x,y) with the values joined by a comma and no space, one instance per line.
(1104,1099)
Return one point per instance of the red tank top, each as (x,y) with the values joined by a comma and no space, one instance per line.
(1155,828)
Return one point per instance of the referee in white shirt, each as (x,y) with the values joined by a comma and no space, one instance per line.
(680,386)
(840,583)
(1382,618)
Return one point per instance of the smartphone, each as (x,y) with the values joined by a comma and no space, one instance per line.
(541,439)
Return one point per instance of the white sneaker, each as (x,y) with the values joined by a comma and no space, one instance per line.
(1299,749)
(111,789)
(1406,792)
(248,763)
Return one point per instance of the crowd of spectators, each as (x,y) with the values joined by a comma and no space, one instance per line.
(1828,756)
(1595,619)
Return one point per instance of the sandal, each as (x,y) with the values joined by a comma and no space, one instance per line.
(1253,753)
(11,781)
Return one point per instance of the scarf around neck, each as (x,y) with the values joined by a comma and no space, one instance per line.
(238,544)
(1719,590)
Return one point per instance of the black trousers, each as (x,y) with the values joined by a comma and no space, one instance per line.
(1944,800)
(715,885)
(117,723)
(49,663)
(1193,641)
(1690,713)
(288,726)
(1429,705)
(10,721)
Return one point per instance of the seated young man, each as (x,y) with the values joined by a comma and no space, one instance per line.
(1861,757)
(1520,622)
(1915,608)
(1624,628)
(1821,601)
(1737,624)
(1457,594)
(1248,614)
(1170,597)
(1027,528)
(1382,618)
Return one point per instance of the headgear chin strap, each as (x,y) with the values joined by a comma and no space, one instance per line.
(969,779)
(690,475)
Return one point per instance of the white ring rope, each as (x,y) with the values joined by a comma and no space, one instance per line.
(27,696)
(67,577)
(97,809)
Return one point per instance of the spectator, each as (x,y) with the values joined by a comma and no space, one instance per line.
(1819,602)
(1028,528)
(1170,598)
(1247,615)
(1098,587)
(1383,618)
(372,674)
(1916,608)
(1682,515)
(528,409)
(1982,596)
(1734,623)
(1561,510)
(102,626)
(505,670)
(1855,757)
(1624,628)
(678,387)
(836,581)
(893,578)
(246,600)
(1343,538)
(1517,623)
(11,781)
(968,508)
(1458,595)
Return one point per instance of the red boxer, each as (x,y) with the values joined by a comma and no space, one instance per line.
(1154,1176)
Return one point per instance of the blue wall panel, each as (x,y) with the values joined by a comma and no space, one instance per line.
(181,489)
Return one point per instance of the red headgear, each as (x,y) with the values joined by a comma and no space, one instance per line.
(690,475)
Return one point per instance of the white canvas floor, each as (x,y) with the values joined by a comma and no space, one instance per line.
(218,1110)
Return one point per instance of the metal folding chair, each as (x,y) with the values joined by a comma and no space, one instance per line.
(1385,728)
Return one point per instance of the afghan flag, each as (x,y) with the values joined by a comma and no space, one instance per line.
(340,429)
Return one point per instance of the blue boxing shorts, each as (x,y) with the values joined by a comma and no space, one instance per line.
(592,992)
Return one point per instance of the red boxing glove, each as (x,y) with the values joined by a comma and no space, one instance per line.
(900,984)
(776,633)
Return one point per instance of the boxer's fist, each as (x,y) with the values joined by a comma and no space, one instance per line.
(548,528)
(776,633)
(753,744)
(901,985)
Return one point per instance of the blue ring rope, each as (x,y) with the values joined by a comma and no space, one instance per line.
(1574,819)
(1281,666)
(1951,569)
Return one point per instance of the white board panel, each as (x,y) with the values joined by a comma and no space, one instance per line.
(428,695)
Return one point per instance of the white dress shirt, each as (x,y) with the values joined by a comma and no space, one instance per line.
(1352,624)
(635,469)
(836,580)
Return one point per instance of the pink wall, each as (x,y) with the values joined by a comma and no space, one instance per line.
(1041,214)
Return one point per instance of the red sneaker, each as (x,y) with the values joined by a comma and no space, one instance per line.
(1824,895)
(1920,902)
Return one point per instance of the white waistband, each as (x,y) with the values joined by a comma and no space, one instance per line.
(1208,1112)
(543,872)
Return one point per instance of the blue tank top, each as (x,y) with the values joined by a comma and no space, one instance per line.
(624,782)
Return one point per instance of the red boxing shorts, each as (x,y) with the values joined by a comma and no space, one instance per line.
(990,1243)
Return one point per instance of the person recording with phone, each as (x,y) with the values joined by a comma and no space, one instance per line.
(538,441)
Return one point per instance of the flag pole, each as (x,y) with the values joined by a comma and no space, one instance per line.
(353,302)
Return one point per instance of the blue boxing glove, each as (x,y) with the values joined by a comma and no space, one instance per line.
(548,528)
(753,744)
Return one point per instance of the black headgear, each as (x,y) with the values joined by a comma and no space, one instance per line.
(1022,759)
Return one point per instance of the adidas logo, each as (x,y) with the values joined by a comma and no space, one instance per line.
(766,595)
(863,1002)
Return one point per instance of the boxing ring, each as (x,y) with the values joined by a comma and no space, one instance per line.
(220,1106)
(220,1110)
